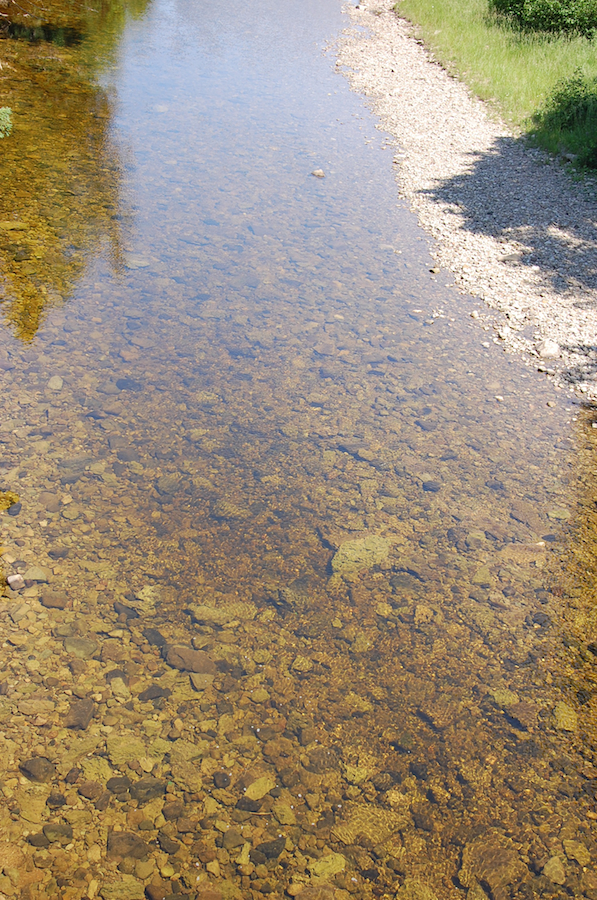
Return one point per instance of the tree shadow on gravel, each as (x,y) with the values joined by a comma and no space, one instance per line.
(514,193)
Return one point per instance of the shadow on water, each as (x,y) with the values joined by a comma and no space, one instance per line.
(60,178)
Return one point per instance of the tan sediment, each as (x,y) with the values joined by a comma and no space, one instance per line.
(509,222)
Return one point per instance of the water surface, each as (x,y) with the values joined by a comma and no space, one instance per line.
(242,415)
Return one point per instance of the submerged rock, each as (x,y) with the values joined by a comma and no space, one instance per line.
(361,553)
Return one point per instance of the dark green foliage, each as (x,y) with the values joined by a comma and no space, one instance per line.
(568,120)
(555,16)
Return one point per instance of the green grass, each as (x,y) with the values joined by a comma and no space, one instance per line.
(515,71)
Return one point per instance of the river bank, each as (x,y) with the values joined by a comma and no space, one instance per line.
(510,224)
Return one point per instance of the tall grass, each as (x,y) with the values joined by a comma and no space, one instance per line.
(517,72)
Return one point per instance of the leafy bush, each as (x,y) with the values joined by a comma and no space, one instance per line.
(556,16)
(568,119)
(5,121)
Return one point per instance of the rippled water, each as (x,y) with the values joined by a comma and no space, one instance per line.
(242,416)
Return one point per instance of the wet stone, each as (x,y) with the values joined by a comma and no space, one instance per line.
(58,832)
(125,843)
(269,849)
(126,888)
(38,769)
(54,599)
(154,637)
(173,810)
(221,779)
(154,692)
(80,715)
(91,790)
(147,789)
(554,870)
(56,800)
(80,648)
(187,660)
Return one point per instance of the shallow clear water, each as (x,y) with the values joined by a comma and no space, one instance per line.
(239,409)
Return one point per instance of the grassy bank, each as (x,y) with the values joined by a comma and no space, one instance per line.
(516,72)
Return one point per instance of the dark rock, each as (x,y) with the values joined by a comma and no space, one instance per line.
(58,832)
(370,874)
(121,609)
(124,843)
(103,802)
(232,839)
(147,789)
(272,849)
(248,805)
(154,692)
(154,637)
(432,486)
(173,810)
(38,840)
(167,844)
(118,784)
(91,790)
(128,384)
(72,776)
(58,552)
(116,673)
(80,715)
(15,509)
(38,769)
(186,660)
(77,667)
(156,892)
(204,852)
(221,779)
(56,800)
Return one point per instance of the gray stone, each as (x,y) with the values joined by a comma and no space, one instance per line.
(37,574)
(55,383)
(81,648)
(554,870)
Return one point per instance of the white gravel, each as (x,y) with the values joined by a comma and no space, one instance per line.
(510,224)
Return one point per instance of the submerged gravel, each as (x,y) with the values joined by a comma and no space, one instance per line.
(510,224)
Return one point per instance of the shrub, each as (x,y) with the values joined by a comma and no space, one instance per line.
(568,119)
(5,121)
(556,16)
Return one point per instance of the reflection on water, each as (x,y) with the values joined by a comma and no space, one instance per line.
(305,602)
(59,181)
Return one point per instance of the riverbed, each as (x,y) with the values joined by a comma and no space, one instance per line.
(306,565)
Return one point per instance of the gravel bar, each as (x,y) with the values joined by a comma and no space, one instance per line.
(509,222)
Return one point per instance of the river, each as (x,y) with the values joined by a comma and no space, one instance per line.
(307,560)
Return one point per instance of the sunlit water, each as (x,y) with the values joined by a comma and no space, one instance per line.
(241,411)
